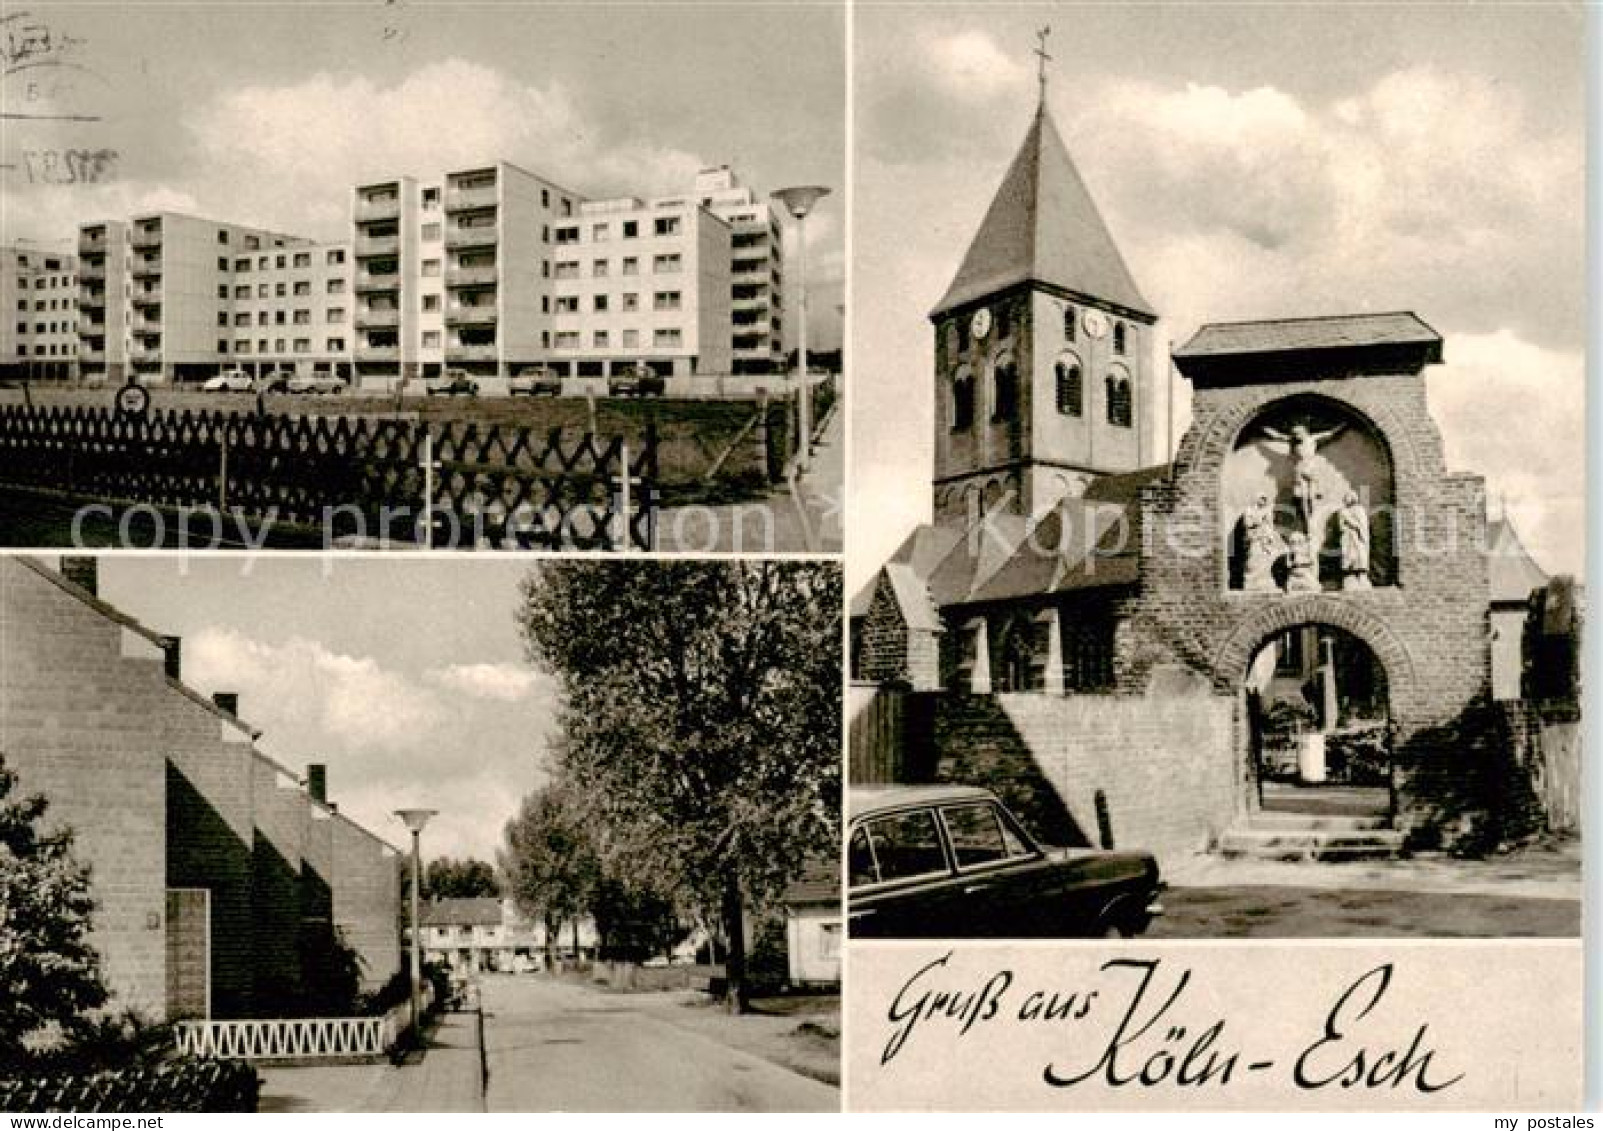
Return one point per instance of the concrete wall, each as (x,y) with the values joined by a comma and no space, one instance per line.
(1155,771)
(79,723)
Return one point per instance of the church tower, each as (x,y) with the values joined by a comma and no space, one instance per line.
(1043,346)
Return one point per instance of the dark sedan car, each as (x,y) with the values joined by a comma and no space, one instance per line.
(949,861)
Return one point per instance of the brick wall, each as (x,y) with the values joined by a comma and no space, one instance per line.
(1157,772)
(277,806)
(77,724)
(1430,631)
(366,894)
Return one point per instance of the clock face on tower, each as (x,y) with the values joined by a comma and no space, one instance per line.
(1096,323)
(981,325)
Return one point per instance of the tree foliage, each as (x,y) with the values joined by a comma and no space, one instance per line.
(550,860)
(447,878)
(49,974)
(701,718)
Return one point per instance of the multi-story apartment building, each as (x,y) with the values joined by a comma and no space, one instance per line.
(172,298)
(493,270)
(39,298)
(756,270)
(640,282)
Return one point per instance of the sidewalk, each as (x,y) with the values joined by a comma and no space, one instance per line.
(446,1076)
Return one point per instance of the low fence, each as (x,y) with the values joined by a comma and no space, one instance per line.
(183,1086)
(372,478)
(299,1038)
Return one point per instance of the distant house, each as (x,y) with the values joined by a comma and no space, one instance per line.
(218,874)
(813,925)
(1512,576)
(484,934)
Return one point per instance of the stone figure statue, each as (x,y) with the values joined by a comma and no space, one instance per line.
(1263,546)
(1301,576)
(1354,543)
(1308,467)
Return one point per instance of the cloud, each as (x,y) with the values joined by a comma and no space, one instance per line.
(507,683)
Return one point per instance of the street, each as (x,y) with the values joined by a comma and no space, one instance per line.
(557,1046)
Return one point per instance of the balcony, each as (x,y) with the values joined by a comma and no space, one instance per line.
(482,235)
(368,316)
(92,354)
(146,353)
(366,282)
(92,300)
(89,326)
(469,276)
(91,242)
(96,272)
(377,208)
(146,239)
(471,314)
(147,325)
(147,268)
(378,353)
(479,351)
(756,303)
(378,245)
(461,199)
(148,296)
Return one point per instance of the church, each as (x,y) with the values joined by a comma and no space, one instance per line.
(1280,638)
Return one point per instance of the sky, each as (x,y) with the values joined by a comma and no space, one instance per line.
(268,113)
(407,678)
(1252,161)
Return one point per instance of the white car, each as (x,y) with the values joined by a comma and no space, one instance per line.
(228,381)
(315,383)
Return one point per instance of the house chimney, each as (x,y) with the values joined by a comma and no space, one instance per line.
(227,701)
(317,782)
(173,648)
(83,572)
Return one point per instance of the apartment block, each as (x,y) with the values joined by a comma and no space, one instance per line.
(756,270)
(640,282)
(175,298)
(39,298)
(218,874)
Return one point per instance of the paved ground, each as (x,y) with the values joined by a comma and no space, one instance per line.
(556,1046)
(1533,892)
(445,1077)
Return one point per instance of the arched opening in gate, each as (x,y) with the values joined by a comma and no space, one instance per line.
(1319,723)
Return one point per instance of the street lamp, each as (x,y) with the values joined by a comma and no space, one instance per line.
(798,201)
(414,820)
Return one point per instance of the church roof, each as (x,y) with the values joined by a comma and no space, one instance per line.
(1286,335)
(1510,570)
(1044,227)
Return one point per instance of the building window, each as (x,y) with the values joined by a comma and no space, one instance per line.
(568,234)
(303,318)
(336,345)
(1121,410)
(1070,387)
(601,341)
(598,269)
(666,265)
(631,229)
(545,304)
(281,290)
(666,300)
(278,317)
(431,268)
(431,339)
(336,286)
(631,300)
(631,265)
(1118,338)
(222,318)
(545,198)
(241,266)
(431,232)
(222,263)
(567,269)
(631,339)
(599,233)
(567,207)
(1004,391)
(963,402)
(667,336)
(303,345)
(261,318)
(431,302)
(601,303)
(431,199)
(303,259)
(222,291)
(242,345)
(567,339)
(242,292)
(303,287)
(1071,323)
(567,304)
(222,237)
(667,225)
(336,314)
(242,318)
(280,262)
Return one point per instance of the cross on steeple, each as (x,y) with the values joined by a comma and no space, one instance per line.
(1042,59)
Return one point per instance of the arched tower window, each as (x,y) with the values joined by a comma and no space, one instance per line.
(1121,408)
(1004,390)
(1071,323)
(1070,386)
(962,401)
(1118,338)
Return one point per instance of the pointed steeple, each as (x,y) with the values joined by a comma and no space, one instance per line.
(1044,227)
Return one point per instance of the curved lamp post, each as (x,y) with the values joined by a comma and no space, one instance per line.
(414,820)
(798,201)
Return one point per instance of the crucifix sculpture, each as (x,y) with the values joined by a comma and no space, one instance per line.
(1042,59)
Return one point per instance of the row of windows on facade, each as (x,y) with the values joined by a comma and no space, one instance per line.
(1072,318)
(47,282)
(1118,399)
(47,327)
(48,304)
(1020,651)
(663,337)
(49,349)
(431,196)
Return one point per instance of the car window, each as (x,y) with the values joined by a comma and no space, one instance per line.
(860,864)
(976,833)
(906,845)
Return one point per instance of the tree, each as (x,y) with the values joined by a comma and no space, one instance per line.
(49,974)
(701,720)
(445,878)
(550,860)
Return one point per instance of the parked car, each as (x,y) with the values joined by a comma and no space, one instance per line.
(535,383)
(638,381)
(950,861)
(315,383)
(453,382)
(228,381)
(274,382)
